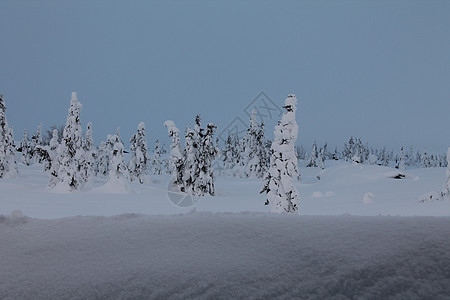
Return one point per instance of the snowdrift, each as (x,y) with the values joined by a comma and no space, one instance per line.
(225,256)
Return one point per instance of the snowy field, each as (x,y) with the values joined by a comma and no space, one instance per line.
(343,189)
(360,235)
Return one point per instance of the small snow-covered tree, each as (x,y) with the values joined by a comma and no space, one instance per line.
(204,184)
(26,149)
(445,193)
(91,165)
(36,142)
(8,165)
(118,171)
(401,163)
(279,188)
(54,155)
(313,157)
(104,156)
(72,156)
(156,159)
(138,162)
(191,161)
(176,159)
(253,159)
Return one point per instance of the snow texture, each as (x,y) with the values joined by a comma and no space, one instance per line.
(225,256)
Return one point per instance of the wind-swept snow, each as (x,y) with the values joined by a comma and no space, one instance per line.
(225,256)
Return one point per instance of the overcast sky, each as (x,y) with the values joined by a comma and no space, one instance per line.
(379,70)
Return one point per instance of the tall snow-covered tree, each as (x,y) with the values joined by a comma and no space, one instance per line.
(401,162)
(156,159)
(72,156)
(26,149)
(176,158)
(445,193)
(104,155)
(54,155)
(35,143)
(231,155)
(204,184)
(118,171)
(91,164)
(192,159)
(313,157)
(8,165)
(279,188)
(139,157)
(253,158)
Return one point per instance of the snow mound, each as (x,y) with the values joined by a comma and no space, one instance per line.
(368,198)
(114,185)
(226,256)
(15,218)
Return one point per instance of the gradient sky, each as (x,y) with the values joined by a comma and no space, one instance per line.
(375,69)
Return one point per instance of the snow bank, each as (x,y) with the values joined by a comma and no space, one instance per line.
(205,255)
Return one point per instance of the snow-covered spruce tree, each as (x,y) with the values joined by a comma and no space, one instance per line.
(91,165)
(191,161)
(36,142)
(8,165)
(445,193)
(118,171)
(176,159)
(72,157)
(139,159)
(26,149)
(401,162)
(208,152)
(231,155)
(104,156)
(54,155)
(253,159)
(156,160)
(313,157)
(281,192)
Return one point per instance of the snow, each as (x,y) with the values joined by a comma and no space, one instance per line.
(105,242)
(225,256)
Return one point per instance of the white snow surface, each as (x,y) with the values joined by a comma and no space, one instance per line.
(225,256)
(102,243)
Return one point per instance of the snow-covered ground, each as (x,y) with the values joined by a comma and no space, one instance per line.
(360,234)
(343,189)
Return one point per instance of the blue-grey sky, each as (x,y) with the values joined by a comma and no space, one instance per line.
(375,69)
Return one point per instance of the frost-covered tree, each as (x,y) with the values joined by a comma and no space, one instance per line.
(54,155)
(192,158)
(445,193)
(138,162)
(72,157)
(104,155)
(8,165)
(156,159)
(91,165)
(231,155)
(208,152)
(401,163)
(118,171)
(26,149)
(313,157)
(279,188)
(36,142)
(253,158)
(176,159)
